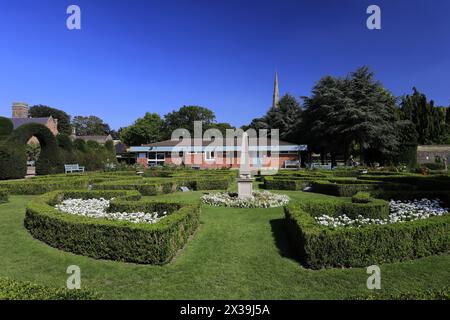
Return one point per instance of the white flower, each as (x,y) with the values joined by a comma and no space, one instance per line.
(399,212)
(259,199)
(97,208)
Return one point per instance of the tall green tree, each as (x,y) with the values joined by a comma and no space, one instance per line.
(429,121)
(40,111)
(185,117)
(90,126)
(144,130)
(286,117)
(356,110)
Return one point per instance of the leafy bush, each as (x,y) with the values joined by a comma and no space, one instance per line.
(13,161)
(24,290)
(361,197)
(434,165)
(3,196)
(431,294)
(343,188)
(276,183)
(6,127)
(49,161)
(321,247)
(114,240)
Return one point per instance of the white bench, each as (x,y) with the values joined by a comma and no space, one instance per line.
(70,168)
(291,163)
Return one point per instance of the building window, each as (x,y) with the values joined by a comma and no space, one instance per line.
(156,158)
(210,155)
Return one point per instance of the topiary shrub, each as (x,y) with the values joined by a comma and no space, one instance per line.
(13,161)
(6,127)
(3,196)
(112,239)
(322,247)
(24,290)
(49,161)
(361,197)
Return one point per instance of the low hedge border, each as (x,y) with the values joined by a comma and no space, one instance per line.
(442,293)
(24,290)
(113,240)
(3,196)
(343,188)
(321,247)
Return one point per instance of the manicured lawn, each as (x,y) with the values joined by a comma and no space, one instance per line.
(236,254)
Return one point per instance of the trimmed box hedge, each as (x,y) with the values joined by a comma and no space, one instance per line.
(113,240)
(343,188)
(3,196)
(24,290)
(322,247)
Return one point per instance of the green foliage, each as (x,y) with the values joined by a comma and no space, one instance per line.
(90,126)
(80,145)
(185,117)
(64,142)
(343,188)
(107,239)
(361,197)
(428,121)
(49,161)
(12,161)
(41,111)
(434,165)
(321,247)
(144,130)
(15,290)
(442,293)
(3,196)
(6,127)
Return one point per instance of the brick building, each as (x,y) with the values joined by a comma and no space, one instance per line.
(207,154)
(20,117)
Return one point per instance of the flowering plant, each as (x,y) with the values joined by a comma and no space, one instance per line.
(97,208)
(259,199)
(399,212)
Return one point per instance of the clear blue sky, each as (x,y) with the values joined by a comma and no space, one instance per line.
(135,56)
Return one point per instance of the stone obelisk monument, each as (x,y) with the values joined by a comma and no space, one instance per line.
(245,181)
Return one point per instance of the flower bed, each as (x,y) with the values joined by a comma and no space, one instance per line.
(400,211)
(121,240)
(98,208)
(260,199)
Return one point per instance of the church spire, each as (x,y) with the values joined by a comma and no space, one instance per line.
(276,95)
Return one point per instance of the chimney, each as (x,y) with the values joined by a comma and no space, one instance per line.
(19,110)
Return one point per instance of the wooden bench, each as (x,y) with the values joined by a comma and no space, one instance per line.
(70,168)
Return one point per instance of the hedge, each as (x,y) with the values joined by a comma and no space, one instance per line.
(6,127)
(321,247)
(13,161)
(343,188)
(113,240)
(24,290)
(442,293)
(276,183)
(49,161)
(374,208)
(420,182)
(3,196)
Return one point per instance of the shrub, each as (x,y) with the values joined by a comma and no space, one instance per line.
(6,127)
(114,240)
(275,183)
(343,188)
(80,145)
(13,161)
(49,161)
(442,293)
(24,290)
(361,197)
(3,196)
(321,247)
(64,142)
(434,165)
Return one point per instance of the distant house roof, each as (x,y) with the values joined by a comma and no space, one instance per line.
(17,122)
(202,144)
(99,139)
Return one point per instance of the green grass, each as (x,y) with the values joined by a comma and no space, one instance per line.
(236,254)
